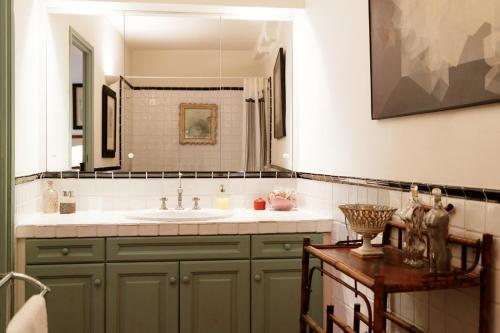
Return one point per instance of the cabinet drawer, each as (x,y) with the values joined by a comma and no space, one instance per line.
(71,250)
(177,248)
(281,245)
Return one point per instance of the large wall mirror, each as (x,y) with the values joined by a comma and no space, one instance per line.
(169,92)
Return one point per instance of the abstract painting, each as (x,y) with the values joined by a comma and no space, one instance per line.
(433,55)
(197,124)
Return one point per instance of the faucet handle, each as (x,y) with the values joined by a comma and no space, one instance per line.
(163,203)
(196,203)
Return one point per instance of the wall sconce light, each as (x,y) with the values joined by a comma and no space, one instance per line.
(110,79)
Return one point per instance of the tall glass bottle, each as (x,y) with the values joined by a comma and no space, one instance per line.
(437,221)
(50,199)
(413,218)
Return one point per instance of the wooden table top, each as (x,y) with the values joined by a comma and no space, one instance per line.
(398,277)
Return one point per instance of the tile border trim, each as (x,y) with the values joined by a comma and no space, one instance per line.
(467,193)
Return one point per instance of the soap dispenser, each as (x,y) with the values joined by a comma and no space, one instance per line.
(50,199)
(222,199)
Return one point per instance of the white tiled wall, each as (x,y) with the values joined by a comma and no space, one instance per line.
(28,199)
(437,311)
(129,194)
(151,131)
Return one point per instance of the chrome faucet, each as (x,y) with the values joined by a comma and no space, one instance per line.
(179,193)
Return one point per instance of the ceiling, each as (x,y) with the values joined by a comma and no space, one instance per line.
(190,33)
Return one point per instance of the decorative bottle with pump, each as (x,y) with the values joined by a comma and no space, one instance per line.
(222,199)
(413,218)
(437,221)
(50,199)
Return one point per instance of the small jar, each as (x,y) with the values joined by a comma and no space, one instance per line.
(68,203)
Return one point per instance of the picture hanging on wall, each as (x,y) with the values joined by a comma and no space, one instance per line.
(433,55)
(279,94)
(78,112)
(197,124)
(108,122)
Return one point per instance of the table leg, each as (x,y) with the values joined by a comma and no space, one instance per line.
(485,284)
(305,285)
(379,304)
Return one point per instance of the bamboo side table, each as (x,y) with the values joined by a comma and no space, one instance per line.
(387,275)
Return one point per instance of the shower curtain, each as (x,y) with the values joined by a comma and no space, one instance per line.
(255,145)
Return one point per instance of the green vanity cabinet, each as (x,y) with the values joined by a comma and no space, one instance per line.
(76,301)
(173,284)
(276,295)
(215,296)
(142,297)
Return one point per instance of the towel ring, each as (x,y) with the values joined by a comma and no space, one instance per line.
(20,276)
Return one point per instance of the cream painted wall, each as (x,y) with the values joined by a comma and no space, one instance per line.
(30,143)
(108,59)
(193,63)
(282,149)
(250,3)
(332,113)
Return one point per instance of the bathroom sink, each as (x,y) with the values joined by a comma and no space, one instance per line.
(180,215)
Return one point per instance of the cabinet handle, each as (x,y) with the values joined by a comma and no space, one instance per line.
(97,282)
(172,280)
(65,251)
(257,277)
(287,247)
(185,279)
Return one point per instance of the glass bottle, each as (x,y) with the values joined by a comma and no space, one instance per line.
(50,199)
(437,221)
(413,218)
(68,203)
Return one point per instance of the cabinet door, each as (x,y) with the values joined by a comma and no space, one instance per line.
(215,296)
(76,301)
(142,297)
(276,295)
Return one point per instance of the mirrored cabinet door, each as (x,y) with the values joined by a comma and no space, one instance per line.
(157,92)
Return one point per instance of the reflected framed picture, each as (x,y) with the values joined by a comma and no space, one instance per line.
(279,94)
(108,122)
(197,124)
(426,63)
(78,111)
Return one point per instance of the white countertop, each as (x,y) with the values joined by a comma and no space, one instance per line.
(116,223)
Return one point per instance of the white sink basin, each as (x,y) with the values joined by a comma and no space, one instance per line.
(172,215)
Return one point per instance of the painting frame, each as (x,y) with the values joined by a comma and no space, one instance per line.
(78,108)
(109,111)
(376,114)
(184,124)
(279,93)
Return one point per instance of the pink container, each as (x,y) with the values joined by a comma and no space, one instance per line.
(282,204)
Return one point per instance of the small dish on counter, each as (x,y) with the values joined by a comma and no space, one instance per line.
(282,200)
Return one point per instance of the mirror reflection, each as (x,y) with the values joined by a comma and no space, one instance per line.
(171,92)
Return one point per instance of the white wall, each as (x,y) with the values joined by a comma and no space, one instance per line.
(282,149)
(197,63)
(30,143)
(108,59)
(332,118)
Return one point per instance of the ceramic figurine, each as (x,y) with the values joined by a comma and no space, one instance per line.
(413,218)
(437,221)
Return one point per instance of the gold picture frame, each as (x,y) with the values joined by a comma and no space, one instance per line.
(197,124)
